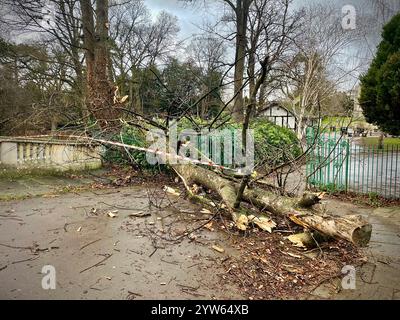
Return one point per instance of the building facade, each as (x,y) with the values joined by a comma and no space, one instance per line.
(280,116)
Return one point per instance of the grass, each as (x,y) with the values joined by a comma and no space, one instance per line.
(387,142)
(342,122)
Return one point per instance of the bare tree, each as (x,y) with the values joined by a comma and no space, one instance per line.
(138,43)
(320,64)
(56,26)
(208,53)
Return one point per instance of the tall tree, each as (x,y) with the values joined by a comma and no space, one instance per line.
(55,25)
(100,90)
(138,42)
(241,11)
(207,53)
(380,87)
(318,65)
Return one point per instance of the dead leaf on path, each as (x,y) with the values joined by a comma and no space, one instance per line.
(79,229)
(50,196)
(209,226)
(292,269)
(218,249)
(171,191)
(301,240)
(263,222)
(242,222)
(111,215)
(140,214)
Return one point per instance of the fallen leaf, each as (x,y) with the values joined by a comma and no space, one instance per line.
(263,222)
(123,99)
(218,248)
(301,240)
(79,229)
(111,215)
(242,222)
(204,210)
(171,191)
(292,269)
(139,214)
(209,226)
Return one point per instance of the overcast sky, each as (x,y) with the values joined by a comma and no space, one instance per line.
(192,14)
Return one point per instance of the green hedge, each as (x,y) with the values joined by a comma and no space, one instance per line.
(274,145)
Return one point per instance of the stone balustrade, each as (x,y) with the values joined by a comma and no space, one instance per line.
(49,153)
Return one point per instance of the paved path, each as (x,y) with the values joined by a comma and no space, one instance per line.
(137,262)
(33,186)
(379,278)
(142,264)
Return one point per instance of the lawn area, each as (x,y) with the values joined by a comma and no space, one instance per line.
(339,122)
(388,142)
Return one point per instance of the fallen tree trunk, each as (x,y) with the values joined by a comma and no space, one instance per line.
(351,228)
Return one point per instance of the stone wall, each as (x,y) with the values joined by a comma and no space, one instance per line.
(49,153)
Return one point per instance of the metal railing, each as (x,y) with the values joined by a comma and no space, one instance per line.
(335,163)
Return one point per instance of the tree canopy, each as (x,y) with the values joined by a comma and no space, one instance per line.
(380,87)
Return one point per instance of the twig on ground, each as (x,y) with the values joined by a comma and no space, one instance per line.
(154,251)
(30,259)
(97,264)
(88,244)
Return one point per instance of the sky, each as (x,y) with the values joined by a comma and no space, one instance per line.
(190,15)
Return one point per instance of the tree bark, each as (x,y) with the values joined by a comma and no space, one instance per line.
(100,90)
(242,14)
(351,228)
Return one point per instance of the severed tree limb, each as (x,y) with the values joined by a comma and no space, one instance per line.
(351,228)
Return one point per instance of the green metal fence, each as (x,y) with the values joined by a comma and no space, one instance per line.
(335,163)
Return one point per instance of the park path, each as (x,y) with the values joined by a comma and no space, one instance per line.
(81,234)
(125,257)
(379,277)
